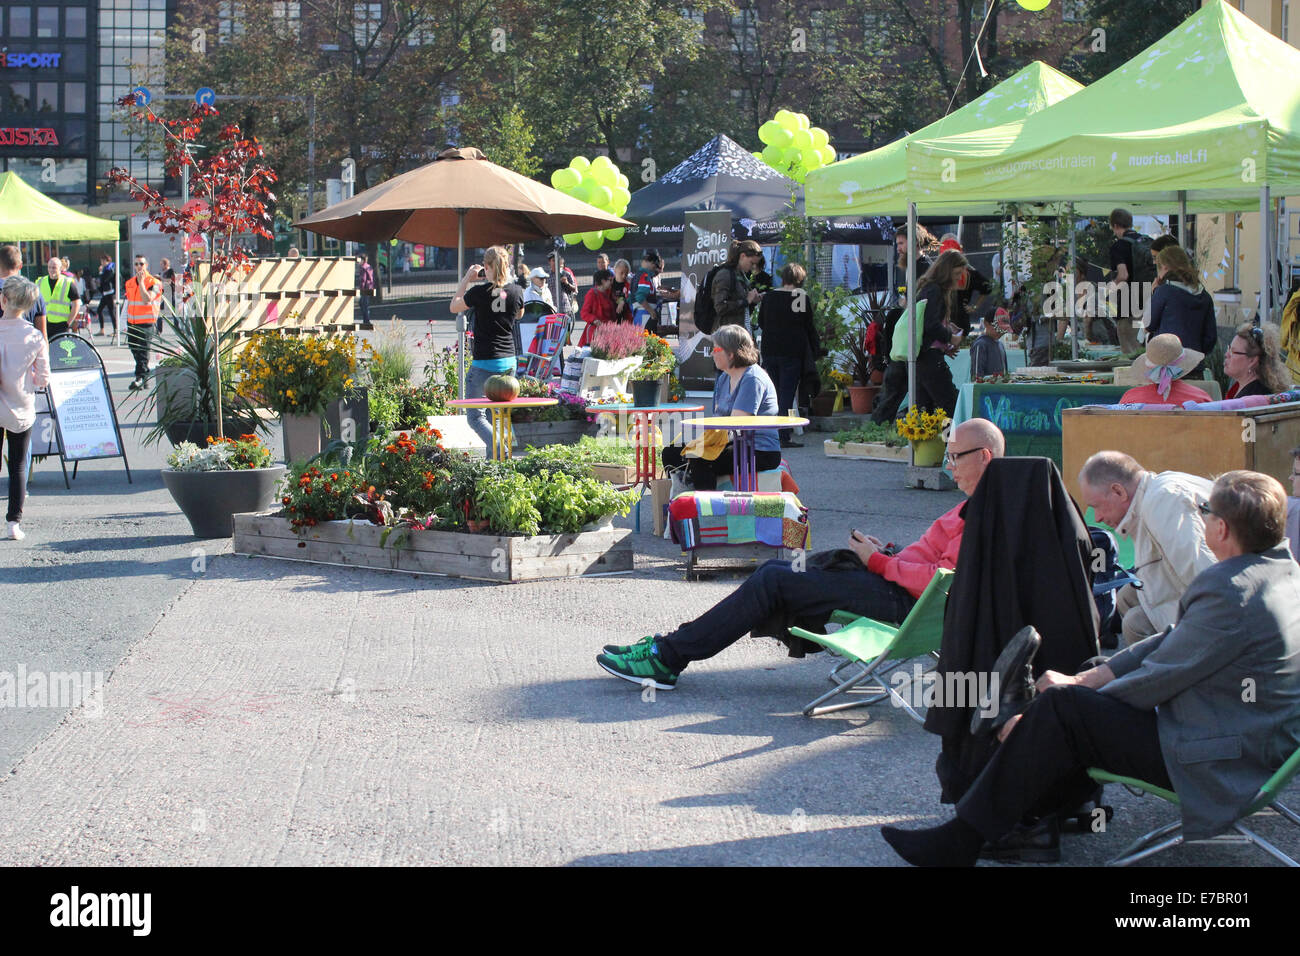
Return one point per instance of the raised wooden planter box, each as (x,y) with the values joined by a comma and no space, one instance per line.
(483,557)
(867,451)
(615,474)
(538,434)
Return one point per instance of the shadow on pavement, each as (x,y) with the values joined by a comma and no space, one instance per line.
(846,846)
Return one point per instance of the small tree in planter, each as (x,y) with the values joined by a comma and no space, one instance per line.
(231,189)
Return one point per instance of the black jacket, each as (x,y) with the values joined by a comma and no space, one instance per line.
(787,332)
(1025,558)
(1188,316)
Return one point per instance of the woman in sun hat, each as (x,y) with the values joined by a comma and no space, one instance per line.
(1165,363)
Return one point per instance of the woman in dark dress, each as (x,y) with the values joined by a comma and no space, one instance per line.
(789,338)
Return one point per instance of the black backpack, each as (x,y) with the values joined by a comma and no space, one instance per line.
(1144,262)
(706,317)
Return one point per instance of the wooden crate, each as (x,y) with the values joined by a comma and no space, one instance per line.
(615,474)
(866,451)
(308,295)
(1199,443)
(483,557)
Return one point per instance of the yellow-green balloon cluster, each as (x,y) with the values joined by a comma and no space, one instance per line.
(793,147)
(598,182)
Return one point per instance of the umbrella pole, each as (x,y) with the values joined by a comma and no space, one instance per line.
(117,269)
(460,316)
(555,276)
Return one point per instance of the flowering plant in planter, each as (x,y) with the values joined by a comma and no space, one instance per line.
(296,375)
(917,425)
(232,190)
(616,340)
(221,454)
(657,359)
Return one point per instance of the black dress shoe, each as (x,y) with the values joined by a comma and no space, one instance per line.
(1040,843)
(1015,682)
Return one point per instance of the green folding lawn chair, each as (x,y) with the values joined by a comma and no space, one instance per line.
(878,648)
(1169,835)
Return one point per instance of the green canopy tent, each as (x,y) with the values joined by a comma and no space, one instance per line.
(28,215)
(1205,119)
(876,183)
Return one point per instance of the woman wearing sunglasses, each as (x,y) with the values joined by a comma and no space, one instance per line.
(1254,363)
(743,388)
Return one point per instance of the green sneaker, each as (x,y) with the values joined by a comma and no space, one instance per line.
(640,665)
(618,650)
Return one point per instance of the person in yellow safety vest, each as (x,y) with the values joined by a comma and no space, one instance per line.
(62,300)
(142,295)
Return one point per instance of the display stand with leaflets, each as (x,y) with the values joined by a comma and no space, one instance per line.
(81,402)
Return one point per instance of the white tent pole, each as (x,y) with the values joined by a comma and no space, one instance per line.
(909,312)
(1182,221)
(1069,289)
(117,277)
(460,317)
(1264,313)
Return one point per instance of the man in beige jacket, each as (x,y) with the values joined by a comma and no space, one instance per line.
(1160,514)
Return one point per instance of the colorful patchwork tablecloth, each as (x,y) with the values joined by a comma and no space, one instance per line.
(702,518)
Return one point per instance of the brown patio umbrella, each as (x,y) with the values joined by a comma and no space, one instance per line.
(459,198)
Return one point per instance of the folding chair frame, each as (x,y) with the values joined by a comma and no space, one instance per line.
(1170,835)
(541,365)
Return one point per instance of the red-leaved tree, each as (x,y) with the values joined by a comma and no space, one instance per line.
(234,185)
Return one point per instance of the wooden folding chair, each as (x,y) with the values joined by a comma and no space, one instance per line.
(878,648)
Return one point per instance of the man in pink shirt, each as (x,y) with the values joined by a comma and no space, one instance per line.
(883,586)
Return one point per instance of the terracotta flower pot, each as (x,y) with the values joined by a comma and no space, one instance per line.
(862,397)
(823,404)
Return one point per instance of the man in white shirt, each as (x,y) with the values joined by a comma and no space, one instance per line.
(1161,514)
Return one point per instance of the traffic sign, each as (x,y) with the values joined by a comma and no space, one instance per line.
(142,95)
(205,96)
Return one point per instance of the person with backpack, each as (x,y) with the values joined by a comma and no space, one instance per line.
(730,290)
(1133,269)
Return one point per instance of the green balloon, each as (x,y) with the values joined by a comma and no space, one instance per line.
(572,238)
(828,154)
(614,235)
(623,180)
(581,192)
(601,197)
(565,179)
(811,158)
(783,138)
(786,120)
(767,131)
(819,137)
(593,240)
(579,163)
(802,119)
(605,175)
(802,139)
(772,155)
(621,196)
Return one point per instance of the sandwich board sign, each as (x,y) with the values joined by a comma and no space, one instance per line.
(81,401)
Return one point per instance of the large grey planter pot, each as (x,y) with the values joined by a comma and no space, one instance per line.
(551,433)
(302,437)
(211,499)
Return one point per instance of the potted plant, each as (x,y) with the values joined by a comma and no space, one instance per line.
(650,378)
(615,354)
(925,432)
(297,377)
(226,477)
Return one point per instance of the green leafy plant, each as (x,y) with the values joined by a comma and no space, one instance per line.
(390,362)
(507,503)
(221,454)
(873,434)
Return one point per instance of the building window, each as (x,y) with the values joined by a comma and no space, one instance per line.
(230,20)
(47,97)
(74,97)
(823,38)
(451,100)
(74,22)
(697,19)
(288,17)
(421,32)
(366,18)
(1074,11)
(20,22)
(47,22)
(16,97)
(744,30)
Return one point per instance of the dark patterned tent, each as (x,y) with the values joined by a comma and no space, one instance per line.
(722,174)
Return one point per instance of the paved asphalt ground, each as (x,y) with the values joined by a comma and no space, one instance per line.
(265,712)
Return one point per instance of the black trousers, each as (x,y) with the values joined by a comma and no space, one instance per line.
(785,372)
(934,387)
(703,474)
(138,336)
(892,393)
(19,443)
(1041,766)
(777,590)
(106,306)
